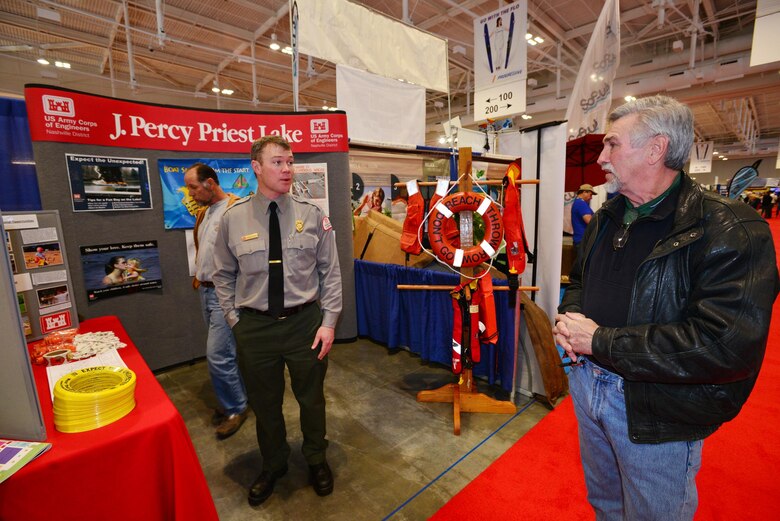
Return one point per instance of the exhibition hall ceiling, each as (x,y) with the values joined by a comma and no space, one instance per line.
(179,50)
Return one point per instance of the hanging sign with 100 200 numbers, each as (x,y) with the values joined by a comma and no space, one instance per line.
(500,101)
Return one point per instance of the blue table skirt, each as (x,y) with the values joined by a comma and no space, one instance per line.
(421,320)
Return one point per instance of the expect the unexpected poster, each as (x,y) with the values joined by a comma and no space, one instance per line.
(101,183)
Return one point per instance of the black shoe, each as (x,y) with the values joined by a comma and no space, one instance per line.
(321,478)
(263,486)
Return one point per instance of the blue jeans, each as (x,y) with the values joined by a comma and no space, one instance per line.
(628,480)
(221,355)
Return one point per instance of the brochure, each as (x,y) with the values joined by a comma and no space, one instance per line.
(16,454)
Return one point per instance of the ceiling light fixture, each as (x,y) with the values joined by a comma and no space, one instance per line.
(227,92)
(533,40)
(526,116)
(62,65)
(287,50)
(629,98)
(215,89)
(43,61)
(274,44)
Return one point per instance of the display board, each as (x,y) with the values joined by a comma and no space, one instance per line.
(38,259)
(118,174)
(20,413)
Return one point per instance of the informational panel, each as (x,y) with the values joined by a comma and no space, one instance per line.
(20,413)
(39,264)
(500,70)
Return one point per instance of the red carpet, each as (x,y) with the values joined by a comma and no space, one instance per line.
(540,477)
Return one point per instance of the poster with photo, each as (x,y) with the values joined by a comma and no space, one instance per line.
(101,183)
(118,269)
(311,182)
(371,192)
(22,303)
(179,209)
(53,299)
(13,263)
(42,255)
(8,244)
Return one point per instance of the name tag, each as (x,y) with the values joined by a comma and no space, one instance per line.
(250,237)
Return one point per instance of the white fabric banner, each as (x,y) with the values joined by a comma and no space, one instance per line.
(350,34)
(765,29)
(592,95)
(552,161)
(380,109)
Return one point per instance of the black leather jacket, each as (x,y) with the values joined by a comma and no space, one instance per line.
(698,321)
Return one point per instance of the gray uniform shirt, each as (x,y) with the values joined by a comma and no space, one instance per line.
(207,234)
(310,259)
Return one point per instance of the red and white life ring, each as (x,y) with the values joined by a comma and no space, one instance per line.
(461,202)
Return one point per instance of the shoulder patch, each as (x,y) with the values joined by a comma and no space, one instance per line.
(326,224)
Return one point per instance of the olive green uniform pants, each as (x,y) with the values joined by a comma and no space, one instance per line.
(264,346)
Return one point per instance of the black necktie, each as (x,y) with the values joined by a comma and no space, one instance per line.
(275,268)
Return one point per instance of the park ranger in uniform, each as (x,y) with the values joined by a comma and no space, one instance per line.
(253,273)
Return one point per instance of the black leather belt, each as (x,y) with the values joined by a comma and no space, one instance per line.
(206,284)
(286,312)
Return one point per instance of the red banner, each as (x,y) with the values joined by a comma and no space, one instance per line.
(75,117)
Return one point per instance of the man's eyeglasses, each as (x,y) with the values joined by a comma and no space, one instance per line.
(620,238)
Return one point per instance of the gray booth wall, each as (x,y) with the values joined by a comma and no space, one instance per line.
(166,324)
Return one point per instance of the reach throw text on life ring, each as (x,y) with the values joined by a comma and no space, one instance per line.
(474,255)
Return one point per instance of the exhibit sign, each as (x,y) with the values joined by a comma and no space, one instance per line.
(179,208)
(500,56)
(701,157)
(99,183)
(69,116)
(118,269)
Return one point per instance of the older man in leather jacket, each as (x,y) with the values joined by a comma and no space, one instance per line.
(667,317)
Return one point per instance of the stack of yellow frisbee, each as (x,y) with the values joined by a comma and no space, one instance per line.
(93,397)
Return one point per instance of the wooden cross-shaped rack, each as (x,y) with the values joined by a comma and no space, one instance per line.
(464,395)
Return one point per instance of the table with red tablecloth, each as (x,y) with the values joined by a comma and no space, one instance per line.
(141,467)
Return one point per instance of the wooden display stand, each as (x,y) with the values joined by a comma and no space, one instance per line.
(464,395)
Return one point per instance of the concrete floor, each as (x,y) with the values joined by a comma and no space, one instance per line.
(392,457)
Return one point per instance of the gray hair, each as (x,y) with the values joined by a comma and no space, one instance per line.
(660,116)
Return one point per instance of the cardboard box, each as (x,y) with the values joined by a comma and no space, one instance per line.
(377,238)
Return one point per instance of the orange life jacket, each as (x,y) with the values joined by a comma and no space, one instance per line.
(514,232)
(415,208)
(488,326)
